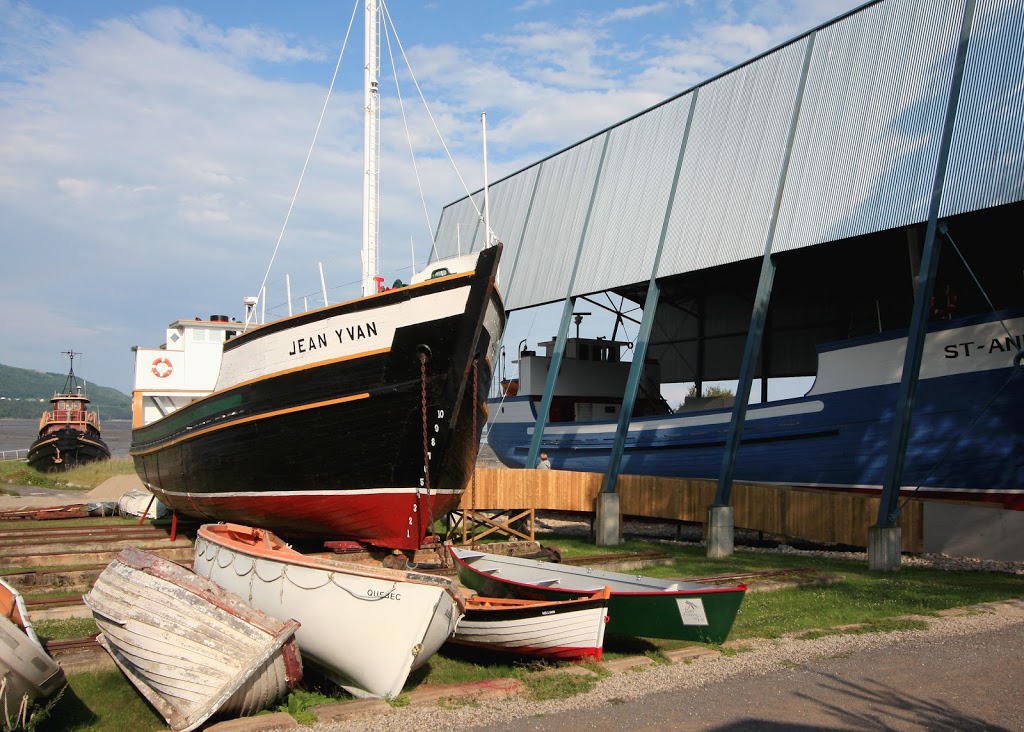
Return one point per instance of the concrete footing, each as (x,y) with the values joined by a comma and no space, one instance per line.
(885,546)
(607,520)
(720,531)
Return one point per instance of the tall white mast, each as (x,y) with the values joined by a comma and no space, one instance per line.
(371,148)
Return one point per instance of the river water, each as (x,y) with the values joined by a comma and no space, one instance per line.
(18,434)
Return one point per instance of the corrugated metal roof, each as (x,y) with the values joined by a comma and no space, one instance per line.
(864,156)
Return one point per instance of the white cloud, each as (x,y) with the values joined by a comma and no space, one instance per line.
(76,188)
(158,152)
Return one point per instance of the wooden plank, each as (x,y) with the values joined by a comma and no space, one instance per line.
(802,513)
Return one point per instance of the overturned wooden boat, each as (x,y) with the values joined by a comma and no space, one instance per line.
(640,606)
(192,649)
(366,627)
(27,672)
(564,630)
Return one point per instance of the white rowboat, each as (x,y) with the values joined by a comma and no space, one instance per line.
(566,630)
(365,627)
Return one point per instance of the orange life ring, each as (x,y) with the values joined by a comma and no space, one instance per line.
(166,369)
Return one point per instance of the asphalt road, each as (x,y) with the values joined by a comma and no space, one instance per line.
(963,683)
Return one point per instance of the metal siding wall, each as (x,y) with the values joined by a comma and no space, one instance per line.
(551,241)
(731,166)
(986,160)
(632,196)
(867,145)
(864,157)
(460,229)
(510,202)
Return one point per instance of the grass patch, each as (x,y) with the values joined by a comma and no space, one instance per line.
(558,685)
(455,664)
(88,476)
(64,628)
(859,597)
(301,702)
(101,701)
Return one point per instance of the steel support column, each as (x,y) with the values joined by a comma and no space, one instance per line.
(888,512)
(563,327)
(764,291)
(636,368)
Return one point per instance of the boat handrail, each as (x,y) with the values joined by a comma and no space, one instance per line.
(69,416)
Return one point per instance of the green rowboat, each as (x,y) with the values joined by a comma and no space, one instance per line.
(640,606)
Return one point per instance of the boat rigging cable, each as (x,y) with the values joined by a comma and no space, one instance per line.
(291,206)
(1015,370)
(408,135)
(305,165)
(253,573)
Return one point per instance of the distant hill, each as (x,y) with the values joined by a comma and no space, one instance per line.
(25,393)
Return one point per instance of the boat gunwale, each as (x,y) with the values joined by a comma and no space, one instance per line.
(691,589)
(399,293)
(231,536)
(498,605)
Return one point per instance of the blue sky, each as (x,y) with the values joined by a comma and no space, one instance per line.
(150,152)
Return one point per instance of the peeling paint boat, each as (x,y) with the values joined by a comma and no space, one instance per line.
(27,672)
(645,607)
(192,649)
(365,627)
(564,630)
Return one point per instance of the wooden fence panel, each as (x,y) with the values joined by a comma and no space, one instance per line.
(818,516)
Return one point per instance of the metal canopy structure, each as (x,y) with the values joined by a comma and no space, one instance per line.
(854,204)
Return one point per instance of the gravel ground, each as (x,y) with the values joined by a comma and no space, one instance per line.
(759,656)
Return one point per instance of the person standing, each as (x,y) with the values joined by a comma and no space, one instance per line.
(544,463)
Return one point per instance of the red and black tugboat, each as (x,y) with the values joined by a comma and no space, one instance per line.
(69,434)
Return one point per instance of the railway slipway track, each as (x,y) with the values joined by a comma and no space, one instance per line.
(54,565)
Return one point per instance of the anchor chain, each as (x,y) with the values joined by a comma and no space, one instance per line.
(426,447)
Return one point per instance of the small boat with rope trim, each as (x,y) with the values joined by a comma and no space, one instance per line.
(27,672)
(358,421)
(365,627)
(193,650)
(69,432)
(562,630)
(640,606)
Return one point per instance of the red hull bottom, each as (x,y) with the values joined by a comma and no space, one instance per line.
(563,653)
(394,519)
